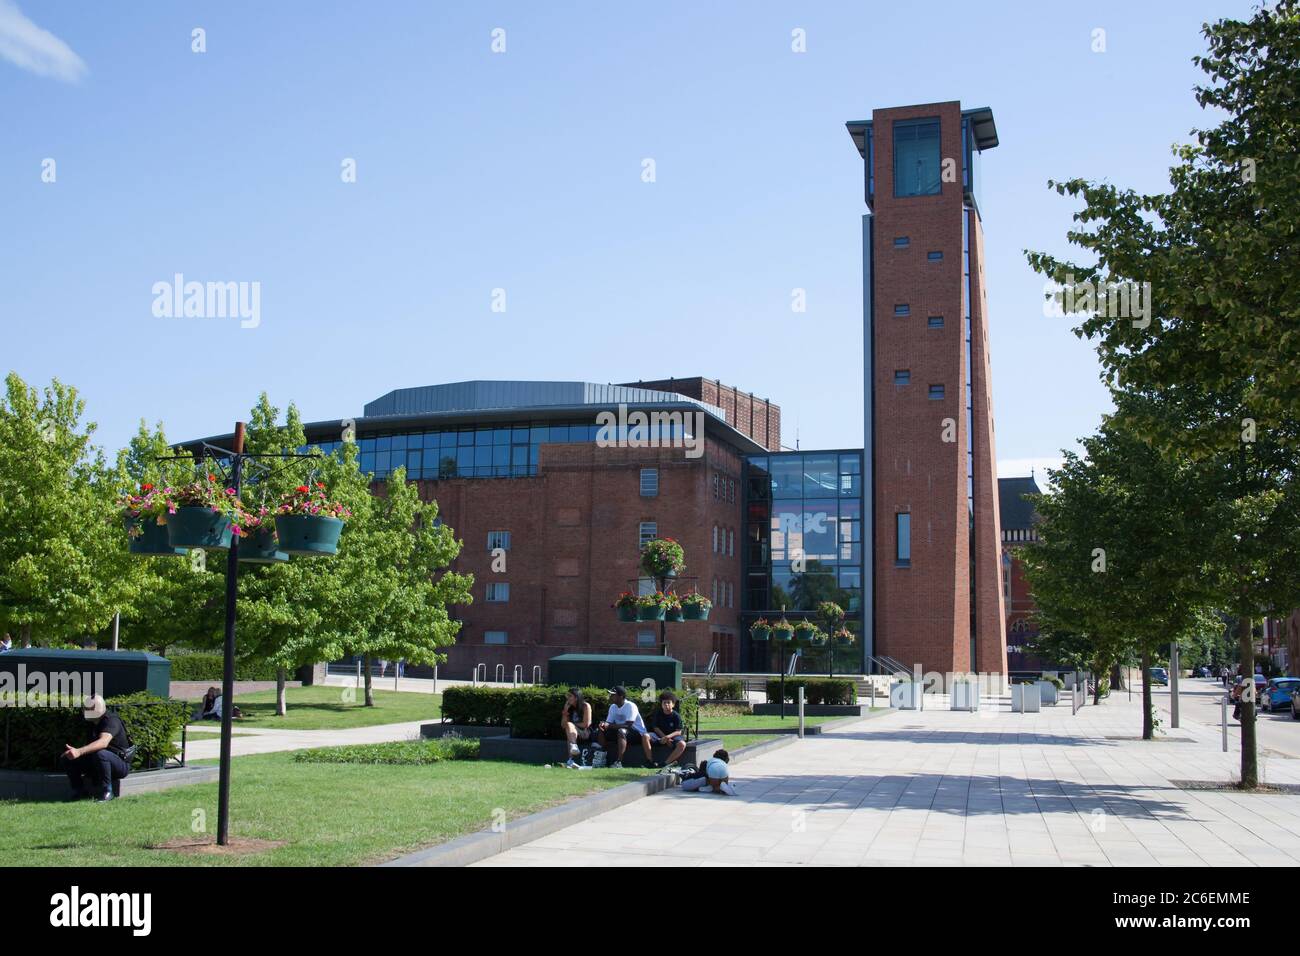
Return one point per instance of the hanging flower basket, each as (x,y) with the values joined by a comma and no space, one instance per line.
(258,542)
(783,630)
(696,607)
(805,632)
(844,637)
(673,608)
(199,514)
(626,606)
(760,630)
(149,538)
(663,558)
(308,523)
(819,639)
(144,514)
(651,607)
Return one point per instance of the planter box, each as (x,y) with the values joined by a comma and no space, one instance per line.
(1049,693)
(905,696)
(41,785)
(966,695)
(809,710)
(439,729)
(523,750)
(1025,699)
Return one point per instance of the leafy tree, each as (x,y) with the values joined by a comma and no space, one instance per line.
(64,569)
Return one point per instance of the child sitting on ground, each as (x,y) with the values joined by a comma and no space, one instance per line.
(712,775)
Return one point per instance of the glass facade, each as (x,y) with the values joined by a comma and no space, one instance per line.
(916,157)
(506,450)
(803,540)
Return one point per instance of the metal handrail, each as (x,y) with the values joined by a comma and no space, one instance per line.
(713,666)
(517,675)
(794,664)
(537,674)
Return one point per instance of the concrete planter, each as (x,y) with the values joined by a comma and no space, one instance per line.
(905,695)
(40,785)
(966,695)
(1049,692)
(1025,699)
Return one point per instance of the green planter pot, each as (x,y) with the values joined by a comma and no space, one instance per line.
(650,613)
(626,613)
(194,527)
(695,612)
(262,547)
(805,637)
(783,633)
(676,615)
(817,640)
(843,642)
(152,541)
(308,534)
(760,633)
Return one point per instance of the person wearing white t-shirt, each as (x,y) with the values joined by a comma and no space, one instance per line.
(623,723)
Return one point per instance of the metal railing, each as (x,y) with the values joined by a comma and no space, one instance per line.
(712,669)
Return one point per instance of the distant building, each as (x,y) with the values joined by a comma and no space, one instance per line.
(1019,527)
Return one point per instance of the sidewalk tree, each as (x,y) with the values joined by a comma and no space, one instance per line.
(1215,351)
(64,570)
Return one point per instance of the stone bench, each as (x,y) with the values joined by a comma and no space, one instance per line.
(440,729)
(526,750)
(43,785)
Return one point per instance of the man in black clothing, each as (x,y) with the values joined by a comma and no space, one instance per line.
(103,760)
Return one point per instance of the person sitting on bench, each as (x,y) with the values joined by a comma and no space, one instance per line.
(623,723)
(575,720)
(666,728)
(104,759)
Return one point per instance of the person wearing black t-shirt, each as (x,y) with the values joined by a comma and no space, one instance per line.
(666,728)
(103,760)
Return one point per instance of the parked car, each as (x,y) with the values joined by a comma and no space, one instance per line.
(1277,693)
(1202,671)
(1159,676)
(1260,682)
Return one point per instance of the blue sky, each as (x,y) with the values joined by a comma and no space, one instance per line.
(522,171)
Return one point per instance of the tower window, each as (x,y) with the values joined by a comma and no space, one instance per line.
(916,158)
(934,256)
(903,544)
(935,321)
(902,309)
(902,376)
(901,242)
(936,393)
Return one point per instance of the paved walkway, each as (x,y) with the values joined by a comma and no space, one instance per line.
(943,788)
(265,740)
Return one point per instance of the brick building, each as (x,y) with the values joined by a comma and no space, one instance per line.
(901,531)
(936,570)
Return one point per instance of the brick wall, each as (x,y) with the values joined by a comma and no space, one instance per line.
(756,417)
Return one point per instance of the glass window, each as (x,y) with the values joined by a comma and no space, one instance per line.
(500,454)
(519,456)
(384,443)
(482,436)
(447,439)
(649,482)
(916,157)
(935,321)
(414,464)
(399,443)
(447,466)
(498,592)
(465,437)
(381,462)
(646,638)
(368,444)
(648,531)
(935,256)
(431,440)
(936,392)
(495,637)
(787,476)
(498,539)
(501,436)
(902,308)
(903,544)
(465,462)
(367,461)
(902,242)
(819,475)
(902,376)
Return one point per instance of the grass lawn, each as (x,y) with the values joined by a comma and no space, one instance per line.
(756,722)
(327,814)
(327,708)
(733,742)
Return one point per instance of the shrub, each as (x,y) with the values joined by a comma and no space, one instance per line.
(34,735)
(817,690)
(715,689)
(534,712)
(1054,681)
(479,706)
(208,667)
(397,753)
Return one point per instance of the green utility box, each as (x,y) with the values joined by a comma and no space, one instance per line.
(82,673)
(607,670)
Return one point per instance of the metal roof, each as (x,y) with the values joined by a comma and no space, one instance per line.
(1014,511)
(497,395)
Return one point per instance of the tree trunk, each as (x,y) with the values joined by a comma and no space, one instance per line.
(1098,670)
(370,690)
(281,694)
(1249,759)
(27,635)
(1117,677)
(1148,724)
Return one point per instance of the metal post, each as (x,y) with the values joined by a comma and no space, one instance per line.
(1174,665)
(1223,719)
(801,712)
(117,621)
(228,668)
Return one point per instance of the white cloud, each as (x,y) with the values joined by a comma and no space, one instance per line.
(27,46)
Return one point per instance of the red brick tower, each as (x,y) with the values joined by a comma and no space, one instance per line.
(937,590)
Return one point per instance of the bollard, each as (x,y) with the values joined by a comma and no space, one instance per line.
(801,712)
(1223,713)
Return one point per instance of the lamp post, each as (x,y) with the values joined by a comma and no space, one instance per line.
(236,457)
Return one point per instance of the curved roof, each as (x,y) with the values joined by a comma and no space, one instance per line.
(506,395)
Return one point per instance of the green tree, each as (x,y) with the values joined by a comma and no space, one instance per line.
(64,569)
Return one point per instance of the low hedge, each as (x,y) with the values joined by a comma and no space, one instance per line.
(396,753)
(534,712)
(210,667)
(817,690)
(715,689)
(33,735)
